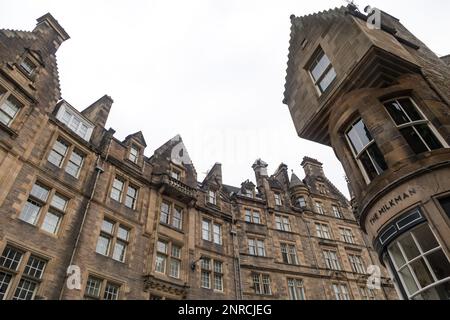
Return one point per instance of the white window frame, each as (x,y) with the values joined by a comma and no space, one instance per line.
(315,60)
(416,123)
(74,114)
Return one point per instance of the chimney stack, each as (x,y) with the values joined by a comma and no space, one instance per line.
(51,32)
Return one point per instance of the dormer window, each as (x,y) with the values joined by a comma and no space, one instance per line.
(278,201)
(249,193)
(28,66)
(212,197)
(175,174)
(75,121)
(322,71)
(301,202)
(134,154)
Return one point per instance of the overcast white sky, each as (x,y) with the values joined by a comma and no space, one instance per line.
(210,70)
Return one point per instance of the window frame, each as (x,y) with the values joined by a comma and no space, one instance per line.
(103,284)
(46,207)
(20,275)
(136,156)
(114,238)
(332,262)
(5,96)
(66,158)
(168,257)
(323,229)
(314,61)
(262,284)
(413,123)
(299,296)
(255,214)
(173,207)
(357,156)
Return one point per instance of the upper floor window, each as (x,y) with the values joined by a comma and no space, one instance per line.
(278,201)
(44,208)
(341,292)
(168,259)
(319,208)
(9,107)
(323,231)
(113,240)
(212,197)
(301,202)
(211,231)
(27,268)
(421,264)
(261,284)
(322,71)
(367,294)
(413,125)
(357,264)
(97,288)
(256,247)
(296,289)
(366,151)
(289,253)
(445,204)
(171,214)
(337,213)
(65,155)
(347,235)
(123,191)
(282,223)
(72,119)
(175,174)
(133,156)
(28,66)
(212,270)
(252,216)
(331,260)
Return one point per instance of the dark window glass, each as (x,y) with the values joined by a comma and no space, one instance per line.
(410,109)
(396,113)
(414,140)
(445,203)
(430,139)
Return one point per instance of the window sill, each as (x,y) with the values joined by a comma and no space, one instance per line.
(171,227)
(13,134)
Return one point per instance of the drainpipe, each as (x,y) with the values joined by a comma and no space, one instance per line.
(236,259)
(99,170)
(314,254)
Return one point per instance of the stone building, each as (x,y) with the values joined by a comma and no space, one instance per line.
(367,87)
(84,215)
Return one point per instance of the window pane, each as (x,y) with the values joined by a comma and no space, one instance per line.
(377,158)
(30,212)
(119,251)
(93,287)
(40,192)
(165,210)
(409,247)
(51,222)
(429,137)
(327,80)
(397,256)
(174,268)
(426,238)
(410,109)
(74,165)
(162,247)
(59,202)
(160,263)
(414,140)
(25,290)
(439,264)
(359,136)
(5,280)
(107,226)
(319,67)
(396,113)
(11,258)
(123,233)
(35,267)
(103,245)
(408,279)
(177,217)
(176,252)
(368,165)
(422,273)
(111,292)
